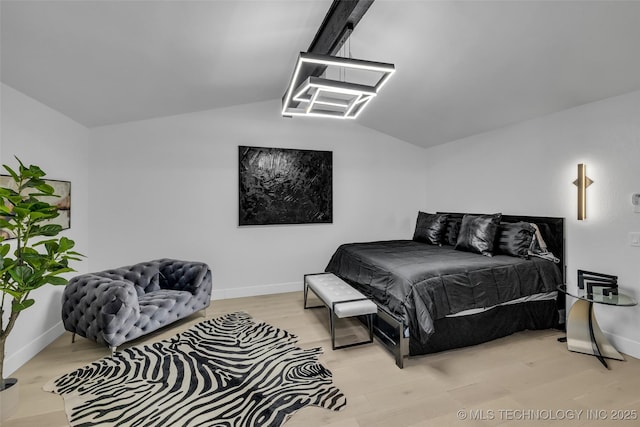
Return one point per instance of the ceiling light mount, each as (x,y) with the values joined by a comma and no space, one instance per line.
(311,95)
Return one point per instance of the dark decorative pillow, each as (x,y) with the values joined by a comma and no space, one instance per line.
(515,238)
(430,228)
(451,232)
(478,233)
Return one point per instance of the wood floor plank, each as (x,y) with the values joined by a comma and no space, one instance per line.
(527,371)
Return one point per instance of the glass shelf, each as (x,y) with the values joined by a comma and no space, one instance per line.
(598,297)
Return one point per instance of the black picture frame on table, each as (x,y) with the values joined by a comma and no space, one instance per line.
(284,186)
(62,202)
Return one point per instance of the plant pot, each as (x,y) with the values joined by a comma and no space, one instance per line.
(8,399)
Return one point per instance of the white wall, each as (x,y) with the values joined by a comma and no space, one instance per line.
(168,187)
(42,136)
(529,168)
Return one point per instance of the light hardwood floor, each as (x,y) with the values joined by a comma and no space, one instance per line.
(527,379)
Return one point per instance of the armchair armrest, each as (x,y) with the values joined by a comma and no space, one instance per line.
(100,308)
(194,277)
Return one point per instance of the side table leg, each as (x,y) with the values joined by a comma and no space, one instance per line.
(584,334)
(592,335)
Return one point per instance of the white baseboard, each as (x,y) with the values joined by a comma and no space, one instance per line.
(23,355)
(624,345)
(250,291)
(15,360)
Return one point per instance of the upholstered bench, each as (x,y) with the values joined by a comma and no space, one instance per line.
(342,301)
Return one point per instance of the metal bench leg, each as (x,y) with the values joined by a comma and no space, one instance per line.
(332,322)
(370,322)
(306,294)
(333,319)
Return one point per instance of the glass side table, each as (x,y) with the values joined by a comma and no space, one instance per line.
(583,333)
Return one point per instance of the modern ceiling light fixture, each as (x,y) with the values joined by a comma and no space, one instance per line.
(326,85)
(310,95)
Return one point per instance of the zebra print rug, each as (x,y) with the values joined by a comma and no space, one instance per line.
(228,371)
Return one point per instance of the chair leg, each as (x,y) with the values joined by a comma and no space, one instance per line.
(113,350)
(73,338)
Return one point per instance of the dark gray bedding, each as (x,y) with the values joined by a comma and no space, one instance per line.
(423,283)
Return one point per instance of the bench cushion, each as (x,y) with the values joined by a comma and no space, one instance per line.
(331,289)
(355,308)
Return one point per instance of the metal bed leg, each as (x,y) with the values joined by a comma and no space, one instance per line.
(402,344)
(397,345)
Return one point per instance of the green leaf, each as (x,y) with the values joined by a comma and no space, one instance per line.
(13,174)
(52,247)
(8,264)
(66,244)
(40,206)
(45,189)
(21,274)
(4,250)
(57,281)
(48,230)
(19,306)
(36,172)
(61,270)
(37,215)
(6,224)
(20,211)
(7,192)
(36,260)
(32,172)
(14,294)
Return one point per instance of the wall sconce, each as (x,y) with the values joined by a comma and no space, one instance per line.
(582,182)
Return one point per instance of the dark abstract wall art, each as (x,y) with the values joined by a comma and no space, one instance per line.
(285,186)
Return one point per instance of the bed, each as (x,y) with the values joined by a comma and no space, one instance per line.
(433,294)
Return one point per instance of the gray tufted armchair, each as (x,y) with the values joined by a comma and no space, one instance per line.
(115,306)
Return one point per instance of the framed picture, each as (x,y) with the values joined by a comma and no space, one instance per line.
(63,202)
(285,186)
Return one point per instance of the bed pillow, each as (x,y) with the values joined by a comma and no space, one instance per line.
(514,238)
(451,232)
(430,228)
(478,233)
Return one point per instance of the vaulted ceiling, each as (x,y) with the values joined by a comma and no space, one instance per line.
(463,67)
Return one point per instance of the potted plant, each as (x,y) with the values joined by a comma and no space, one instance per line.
(31,256)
